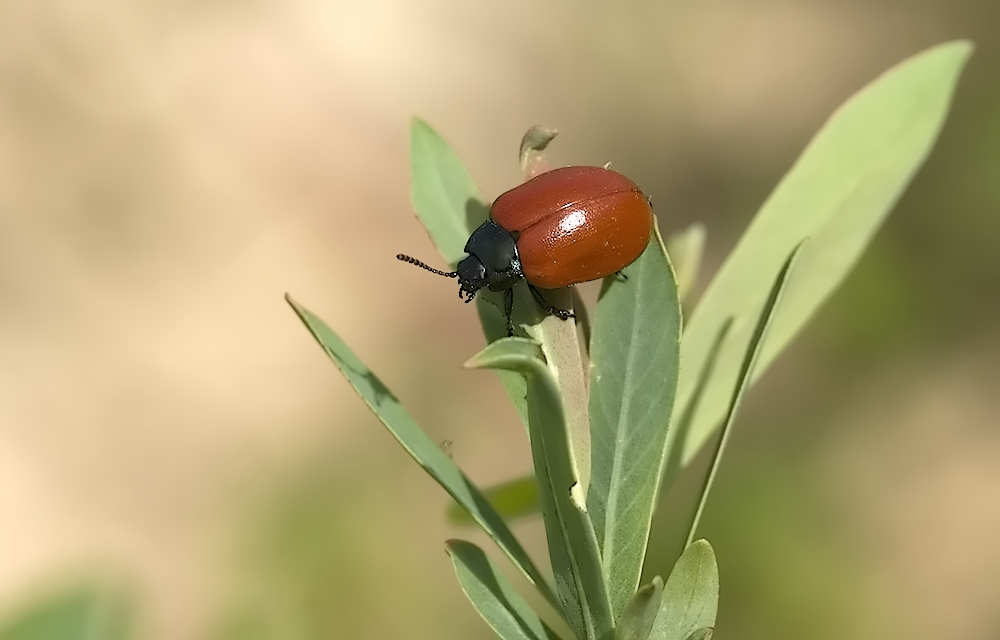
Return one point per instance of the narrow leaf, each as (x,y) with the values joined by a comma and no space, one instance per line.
(837,193)
(561,345)
(444,195)
(634,355)
(559,341)
(513,499)
(420,447)
(450,206)
(640,613)
(582,321)
(680,425)
(686,248)
(573,549)
(760,332)
(690,596)
(500,605)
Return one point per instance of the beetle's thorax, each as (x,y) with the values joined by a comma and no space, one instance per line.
(493,260)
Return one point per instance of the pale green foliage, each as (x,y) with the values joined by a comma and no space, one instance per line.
(837,194)
(690,596)
(496,600)
(654,394)
(634,357)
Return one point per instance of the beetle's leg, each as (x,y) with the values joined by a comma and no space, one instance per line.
(621,274)
(508,308)
(562,314)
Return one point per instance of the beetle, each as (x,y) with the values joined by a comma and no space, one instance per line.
(562,227)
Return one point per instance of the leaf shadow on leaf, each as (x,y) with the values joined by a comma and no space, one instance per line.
(476,212)
(676,442)
(583,322)
(379,390)
(618,276)
(382,392)
(480,566)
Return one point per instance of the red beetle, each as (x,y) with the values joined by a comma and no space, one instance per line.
(561,228)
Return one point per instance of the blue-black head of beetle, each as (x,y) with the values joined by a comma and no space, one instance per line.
(493,262)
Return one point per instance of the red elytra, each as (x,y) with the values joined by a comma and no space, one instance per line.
(575,224)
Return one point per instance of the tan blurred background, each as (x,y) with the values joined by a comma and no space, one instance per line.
(169,169)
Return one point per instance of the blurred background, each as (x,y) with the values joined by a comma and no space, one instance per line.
(169,169)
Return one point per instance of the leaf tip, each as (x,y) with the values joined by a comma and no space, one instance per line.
(505,353)
(963,47)
(299,310)
(954,54)
(702,545)
(702,550)
(417,122)
(534,142)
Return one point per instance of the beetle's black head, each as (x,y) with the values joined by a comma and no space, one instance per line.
(492,262)
(471,274)
(471,277)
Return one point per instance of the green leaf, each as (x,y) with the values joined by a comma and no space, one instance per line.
(88,612)
(680,425)
(837,193)
(582,320)
(512,499)
(573,550)
(690,597)
(561,345)
(450,206)
(640,612)
(767,315)
(420,447)
(493,596)
(634,355)
(444,195)
(686,248)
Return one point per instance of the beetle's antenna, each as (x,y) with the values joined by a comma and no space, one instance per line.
(414,261)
